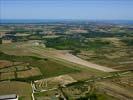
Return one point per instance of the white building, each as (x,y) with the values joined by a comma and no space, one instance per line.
(9,97)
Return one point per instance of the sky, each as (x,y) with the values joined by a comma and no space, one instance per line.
(67,9)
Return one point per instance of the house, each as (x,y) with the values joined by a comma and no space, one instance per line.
(9,97)
(7,39)
(4,41)
(2,34)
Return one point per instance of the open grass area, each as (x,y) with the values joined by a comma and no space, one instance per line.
(29,73)
(4,56)
(13,49)
(50,95)
(7,76)
(51,68)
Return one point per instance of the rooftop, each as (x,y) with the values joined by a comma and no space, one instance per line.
(10,96)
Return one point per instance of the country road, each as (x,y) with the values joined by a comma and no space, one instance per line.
(71,58)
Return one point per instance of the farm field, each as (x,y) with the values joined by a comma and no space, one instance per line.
(4,63)
(52,57)
(18,70)
(119,57)
(116,90)
(96,88)
(23,89)
(29,73)
(64,55)
(45,65)
(46,95)
(112,52)
(53,82)
(126,81)
(67,61)
(45,61)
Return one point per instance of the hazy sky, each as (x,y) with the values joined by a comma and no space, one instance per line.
(66,9)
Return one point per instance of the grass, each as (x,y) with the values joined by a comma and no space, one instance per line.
(118,51)
(52,36)
(127,41)
(75,43)
(18,48)
(101,96)
(46,95)
(52,68)
(83,73)
(4,56)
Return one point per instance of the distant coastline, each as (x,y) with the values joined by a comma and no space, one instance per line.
(43,21)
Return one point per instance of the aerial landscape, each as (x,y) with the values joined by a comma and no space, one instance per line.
(66,58)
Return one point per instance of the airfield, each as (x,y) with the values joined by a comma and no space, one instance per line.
(44,70)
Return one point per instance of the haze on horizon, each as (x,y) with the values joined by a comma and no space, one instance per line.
(66,9)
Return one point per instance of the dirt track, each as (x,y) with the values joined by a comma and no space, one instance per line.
(71,58)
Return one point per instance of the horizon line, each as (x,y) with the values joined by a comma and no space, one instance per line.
(59,19)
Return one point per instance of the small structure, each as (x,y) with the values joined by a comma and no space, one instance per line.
(9,97)
(4,41)
(2,34)
(7,39)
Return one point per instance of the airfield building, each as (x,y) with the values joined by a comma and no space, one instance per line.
(9,97)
